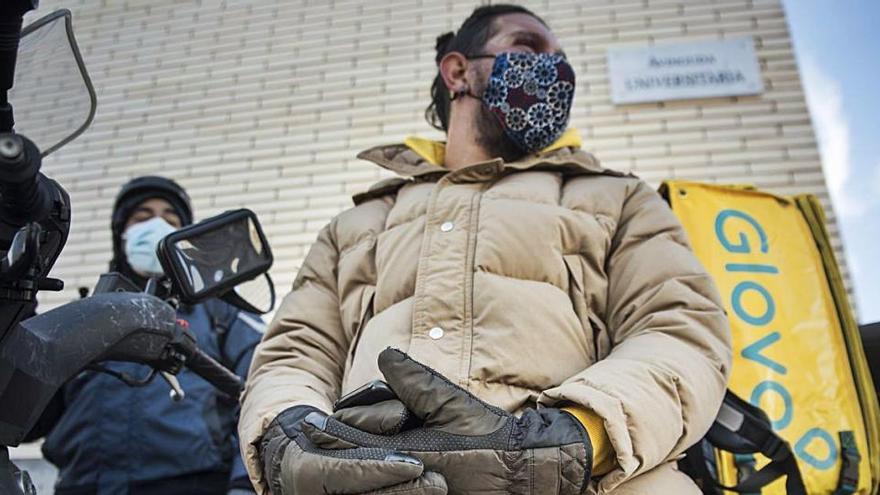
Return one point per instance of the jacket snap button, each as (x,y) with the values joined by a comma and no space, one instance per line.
(436,333)
(447,226)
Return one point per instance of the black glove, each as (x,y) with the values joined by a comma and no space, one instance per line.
(478,448)
(293,465)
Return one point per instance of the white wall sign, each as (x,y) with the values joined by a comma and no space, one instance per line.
(701,69)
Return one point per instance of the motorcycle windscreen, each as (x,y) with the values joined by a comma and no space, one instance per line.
(52,96)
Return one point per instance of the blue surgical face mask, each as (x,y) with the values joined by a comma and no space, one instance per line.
(141,241)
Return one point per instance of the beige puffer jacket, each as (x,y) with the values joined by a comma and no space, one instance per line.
(546,281)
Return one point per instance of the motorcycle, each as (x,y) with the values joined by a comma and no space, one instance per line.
(226,256)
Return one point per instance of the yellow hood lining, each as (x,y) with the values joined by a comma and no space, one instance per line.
(434,152)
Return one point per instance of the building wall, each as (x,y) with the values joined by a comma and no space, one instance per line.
(265,105)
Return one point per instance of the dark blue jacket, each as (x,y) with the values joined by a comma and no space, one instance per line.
(112,436)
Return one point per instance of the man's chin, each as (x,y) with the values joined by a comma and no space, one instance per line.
(492,138)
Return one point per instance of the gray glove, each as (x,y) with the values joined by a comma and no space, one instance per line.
(293,465)
(478,448)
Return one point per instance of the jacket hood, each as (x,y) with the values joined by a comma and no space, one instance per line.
(417,157)
(421,159)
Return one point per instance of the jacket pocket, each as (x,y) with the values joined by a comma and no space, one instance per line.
(366,313)
(578,298)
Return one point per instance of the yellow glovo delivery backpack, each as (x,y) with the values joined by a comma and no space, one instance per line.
(798,357)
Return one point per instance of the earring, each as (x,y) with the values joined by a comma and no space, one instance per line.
(456,94)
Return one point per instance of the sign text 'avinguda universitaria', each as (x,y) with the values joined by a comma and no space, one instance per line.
(700,69)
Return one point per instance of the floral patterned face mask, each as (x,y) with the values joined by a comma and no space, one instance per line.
(531,95)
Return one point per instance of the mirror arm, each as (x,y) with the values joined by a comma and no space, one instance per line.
(239,302)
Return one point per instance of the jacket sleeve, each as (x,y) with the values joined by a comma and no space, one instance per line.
(661,385)
(243,334)
(49,418)
(301,357)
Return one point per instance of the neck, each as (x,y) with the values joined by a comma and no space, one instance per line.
(462,148)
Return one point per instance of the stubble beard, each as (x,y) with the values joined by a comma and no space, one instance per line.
(490,134)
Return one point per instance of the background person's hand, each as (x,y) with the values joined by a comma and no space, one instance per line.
(478,448)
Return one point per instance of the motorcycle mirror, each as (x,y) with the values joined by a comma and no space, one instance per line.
(210,258)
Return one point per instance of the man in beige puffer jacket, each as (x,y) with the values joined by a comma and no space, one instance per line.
(527,278)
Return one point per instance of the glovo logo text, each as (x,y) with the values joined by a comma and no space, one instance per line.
(758,322)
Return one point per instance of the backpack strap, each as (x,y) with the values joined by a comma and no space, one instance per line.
(699,464)
(746,465)
(742,428)
(848,482)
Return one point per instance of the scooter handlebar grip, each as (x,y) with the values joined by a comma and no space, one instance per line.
(214,373)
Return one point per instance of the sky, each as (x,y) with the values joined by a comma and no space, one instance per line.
(837,45)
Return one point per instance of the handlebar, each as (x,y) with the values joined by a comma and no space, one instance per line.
(23,192)
(214,373)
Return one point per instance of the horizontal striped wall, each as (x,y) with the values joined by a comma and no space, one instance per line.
(265,105)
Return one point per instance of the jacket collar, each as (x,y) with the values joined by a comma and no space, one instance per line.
(420,158)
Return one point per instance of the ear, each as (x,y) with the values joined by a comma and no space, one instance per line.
(453,69)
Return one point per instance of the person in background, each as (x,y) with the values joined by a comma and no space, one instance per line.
(106,437)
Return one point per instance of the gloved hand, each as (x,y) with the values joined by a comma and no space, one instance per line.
(294,466)
(478,448)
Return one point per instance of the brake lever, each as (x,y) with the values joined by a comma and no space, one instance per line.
(175,358)
(176,393)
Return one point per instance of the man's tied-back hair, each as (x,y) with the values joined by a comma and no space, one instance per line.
(470,40)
